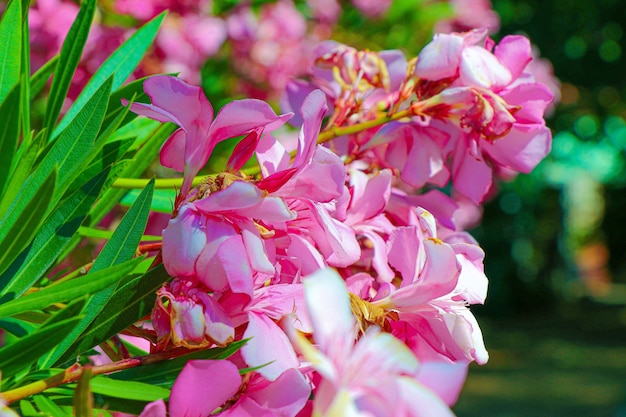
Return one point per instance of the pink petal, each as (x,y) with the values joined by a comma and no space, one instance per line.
(270,209)
(154,409)
(321,181)
(377,355)
(255,250)
(218,325)
(424,162)
(184,239)
(480,68)
(187,320)
(175,101)
(275,181)
(338,244)
(286,396)
(276,301)
(272,156)
(293,96)
(243,151)
(515,53)
(329,308)
(440,58)
(239,117)
(369,194)
(268,346)
(237,270)
(471,177)
(238,195)
(202,386)
(173,149)
(421,401)
(402,253)
(313,109)
(444,379)
(533,98)
(522,149)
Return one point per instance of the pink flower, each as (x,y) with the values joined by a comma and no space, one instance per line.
(187,41)
(492,109)
(374,376)
(439,280)
(187,316)
(189,148)
(200,388)
(215,240)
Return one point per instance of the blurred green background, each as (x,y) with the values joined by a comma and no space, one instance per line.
(555,317)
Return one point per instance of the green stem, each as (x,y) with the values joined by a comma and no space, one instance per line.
(74,372)
(333,132)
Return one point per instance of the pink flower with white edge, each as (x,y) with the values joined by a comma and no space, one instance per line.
(189,148)
(374,376)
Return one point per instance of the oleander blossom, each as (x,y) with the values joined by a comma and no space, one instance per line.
(342,259)
(372,376)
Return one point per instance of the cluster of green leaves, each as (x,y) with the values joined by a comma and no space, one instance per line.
(55,188)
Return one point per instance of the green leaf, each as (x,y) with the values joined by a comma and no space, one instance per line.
(162,202)
(88,284)
(106,234)
(23,169)
(17,235)
(128,234)
(127,305)
(25,78)
(48,407)
(71,52)
(129,390)
(25,351)
(9,134)
(51,240)
(10,47)
(130,90)
(120,248)
(39,79)
(120,65)
(142,159)
(27,409)
(164,373)
(69,153)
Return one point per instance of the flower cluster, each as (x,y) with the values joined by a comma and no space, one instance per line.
(267,45)
(341,259)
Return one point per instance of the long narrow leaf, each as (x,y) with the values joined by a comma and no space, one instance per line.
(129,390)
(137,166)
(9,133)
(127,305)
(69,153)
(25,163)
(164,373)
(120,248)
(55,234)
(17,235)
(71,52)
(120,65)
(88,284)
(39,79)
(48,408)
(10,47)
(25,351)
(25,78)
